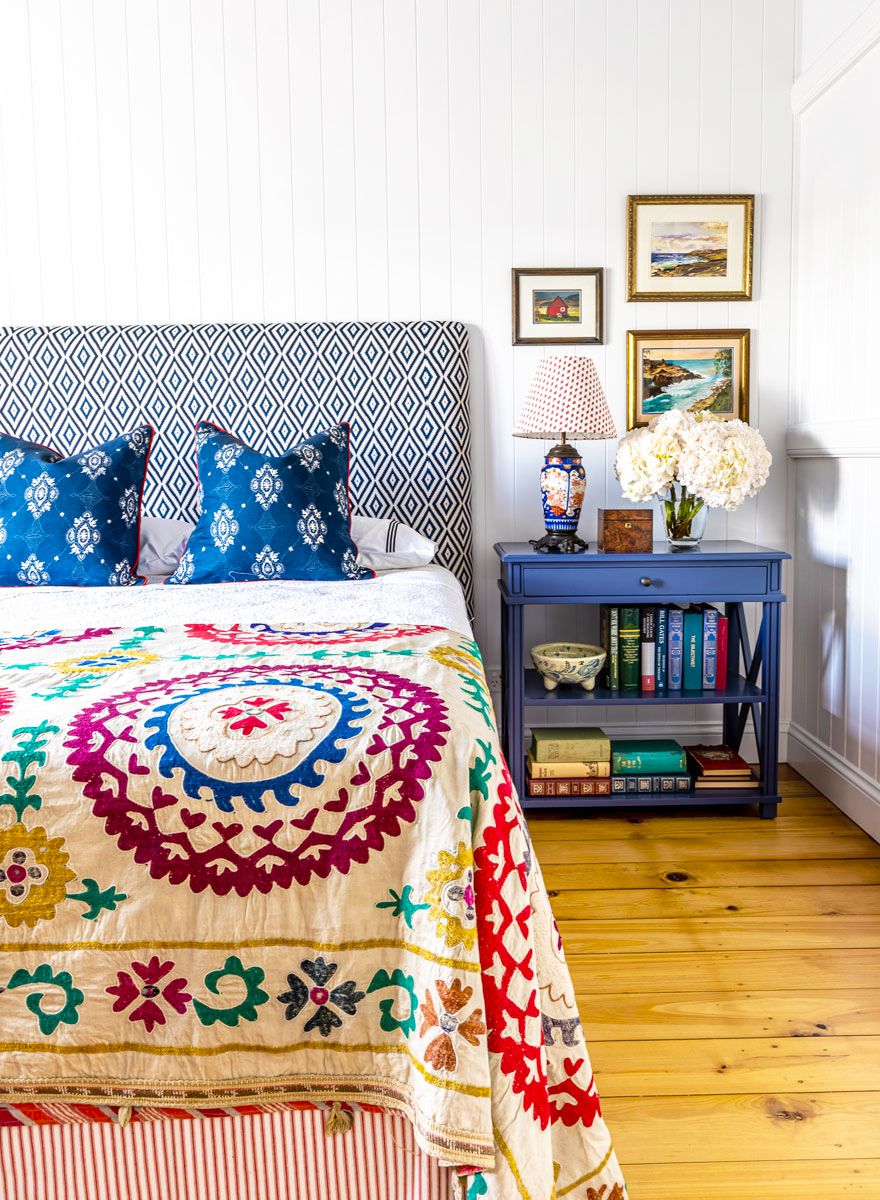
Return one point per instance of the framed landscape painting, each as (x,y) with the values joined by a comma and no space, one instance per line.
(702,370)
(689,247)
(561,306)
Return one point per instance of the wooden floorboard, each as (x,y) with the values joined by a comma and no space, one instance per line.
(728,973)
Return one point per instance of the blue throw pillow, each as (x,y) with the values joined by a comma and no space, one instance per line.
(72,521)
(265,518)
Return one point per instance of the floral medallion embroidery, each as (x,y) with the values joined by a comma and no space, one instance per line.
(33,569)
(139,439)
(266,486)
(94,463)
(3,531)
(309,456)
(40,495)
(128,504)
(332,795)
(152,993)
(121,575)
(226,456)
(328,1001)
(83,536)
(349,565)
(185,568)
(33,875)
(267,564)
(451,897)
(447,1017)
(9,462)
(224,528)
(311,528)
(340,495)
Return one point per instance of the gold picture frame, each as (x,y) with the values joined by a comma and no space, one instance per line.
(707,370)
(677,245)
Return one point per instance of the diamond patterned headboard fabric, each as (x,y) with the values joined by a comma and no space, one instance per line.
(403,386)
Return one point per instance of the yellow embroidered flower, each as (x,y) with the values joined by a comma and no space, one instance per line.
(33,875)
(457,659)
(451,897)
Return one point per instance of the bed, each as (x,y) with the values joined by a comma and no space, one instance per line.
(276,919)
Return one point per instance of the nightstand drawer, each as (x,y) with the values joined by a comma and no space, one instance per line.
(644,580)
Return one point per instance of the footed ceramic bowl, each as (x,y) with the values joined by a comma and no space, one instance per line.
(568,662)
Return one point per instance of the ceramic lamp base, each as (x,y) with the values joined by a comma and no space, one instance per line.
(563,481)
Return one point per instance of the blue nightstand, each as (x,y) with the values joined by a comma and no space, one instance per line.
(732,573)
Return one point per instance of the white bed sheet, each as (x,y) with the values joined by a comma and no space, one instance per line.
(418,595)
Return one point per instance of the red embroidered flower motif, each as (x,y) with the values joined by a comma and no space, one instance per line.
(440,1051)
(150,991)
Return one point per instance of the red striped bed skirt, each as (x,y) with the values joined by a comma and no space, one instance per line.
(283,1154)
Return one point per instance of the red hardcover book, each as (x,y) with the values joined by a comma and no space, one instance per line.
(714,761)
(648,632)
(721,654)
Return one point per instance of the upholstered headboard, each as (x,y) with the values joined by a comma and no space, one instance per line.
(403,386)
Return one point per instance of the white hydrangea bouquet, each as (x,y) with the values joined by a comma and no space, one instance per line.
(691,461)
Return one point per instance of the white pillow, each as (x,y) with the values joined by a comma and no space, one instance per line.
(162,545)
(382,544)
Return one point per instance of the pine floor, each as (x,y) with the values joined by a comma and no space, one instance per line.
(728,973)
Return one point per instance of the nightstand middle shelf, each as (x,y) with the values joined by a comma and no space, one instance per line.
(738,691)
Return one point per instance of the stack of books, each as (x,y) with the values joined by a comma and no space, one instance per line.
(720,767)
(569,761)
(669,648)
(643,765)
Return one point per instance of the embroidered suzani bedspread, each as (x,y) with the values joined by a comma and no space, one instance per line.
(256,863)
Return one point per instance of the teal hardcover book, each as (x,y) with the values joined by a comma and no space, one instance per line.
(692,673)
(654,756)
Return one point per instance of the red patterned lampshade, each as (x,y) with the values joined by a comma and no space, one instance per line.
(565,397)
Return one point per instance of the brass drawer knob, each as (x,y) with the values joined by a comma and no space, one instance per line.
(645,581)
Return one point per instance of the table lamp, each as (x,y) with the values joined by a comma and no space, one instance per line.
(565,400)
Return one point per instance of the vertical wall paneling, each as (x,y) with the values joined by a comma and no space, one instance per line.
(212,162)
(311,159)
(276,158)
(370,150)
(834,439)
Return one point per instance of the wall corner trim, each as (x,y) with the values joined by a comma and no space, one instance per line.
(850,789)
(853,44)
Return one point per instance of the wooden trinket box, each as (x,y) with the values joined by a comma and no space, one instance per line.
(626,530)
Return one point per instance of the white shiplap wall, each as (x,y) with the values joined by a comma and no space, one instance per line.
(835,434)
(209,160)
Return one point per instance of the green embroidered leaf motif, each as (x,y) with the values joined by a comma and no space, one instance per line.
(396,979)
(402,905)
(246,1009)
(73,997)
(29,753)
(96,900)
(476,1187)
(480,771)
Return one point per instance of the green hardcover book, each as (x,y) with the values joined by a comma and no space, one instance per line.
(692,668)
(652,756)
(630,643)
(568,743)
(609,624)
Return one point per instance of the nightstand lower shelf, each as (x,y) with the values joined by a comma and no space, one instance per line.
(738,691)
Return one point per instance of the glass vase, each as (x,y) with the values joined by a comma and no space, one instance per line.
(683,516)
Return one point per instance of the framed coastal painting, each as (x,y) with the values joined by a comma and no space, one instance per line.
(689,247)
(557,306)
(703,370)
